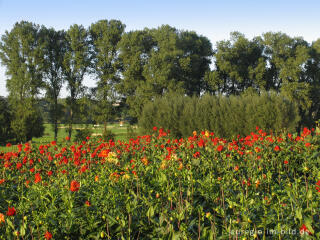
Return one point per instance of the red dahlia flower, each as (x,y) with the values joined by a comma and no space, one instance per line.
(304,229)
(11,211)
(47,235)
(74,186)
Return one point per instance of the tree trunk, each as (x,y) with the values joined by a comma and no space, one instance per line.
(55,119)
(72,105)
(70,123)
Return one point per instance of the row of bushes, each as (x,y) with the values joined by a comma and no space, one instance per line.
(225,116)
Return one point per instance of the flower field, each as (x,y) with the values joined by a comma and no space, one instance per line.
(155,187)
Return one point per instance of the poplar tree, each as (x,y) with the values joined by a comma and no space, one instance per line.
(75,65)
(160,61)
(21,54)
(239,64)
(54,50)
(105,36)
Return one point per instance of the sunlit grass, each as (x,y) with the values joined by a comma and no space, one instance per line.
(121,133)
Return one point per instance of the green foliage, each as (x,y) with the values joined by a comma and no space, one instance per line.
(21,53)
(27,124)
(104,36)
(131,132)
(82,134)
(156,187)
(239,65)
(273,61)
(54,49)
(162,60)
(75,65)
(5,121)
(142,65)
(226,116)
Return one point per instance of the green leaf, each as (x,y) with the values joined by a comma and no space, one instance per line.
(150,212)
(10,223)
(309,194)
(23,230)
(162,178)
(308,223)
(299,213)
(175,236)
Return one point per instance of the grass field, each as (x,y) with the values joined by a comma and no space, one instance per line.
(121,133)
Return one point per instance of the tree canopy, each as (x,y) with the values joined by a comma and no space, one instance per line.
(134,68)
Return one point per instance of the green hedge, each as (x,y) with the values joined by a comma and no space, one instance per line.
(225,116)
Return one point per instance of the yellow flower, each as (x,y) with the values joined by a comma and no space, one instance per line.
(126,176)
(112,157)
(207,134)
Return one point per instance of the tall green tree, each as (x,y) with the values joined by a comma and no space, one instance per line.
(105,36)
(54,49)
(162,60)
(135,47)
(312,77)
(21,54)
(239,64)
(287,59)
(75,65)
(194,62)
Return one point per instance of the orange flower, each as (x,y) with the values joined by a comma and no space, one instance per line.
(180,166)
(104,153)
(257,183)
(96,178)
(236,168)
(87,203)
(2,181)
(196,154)
(37,178)
(74,186)
(145,161)
(1,218)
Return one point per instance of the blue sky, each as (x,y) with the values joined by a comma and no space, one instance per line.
(214,19)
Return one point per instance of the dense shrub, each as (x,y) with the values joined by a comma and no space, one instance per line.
(5,120)
(27,123)
(82,134)
(108,135)
(226,116)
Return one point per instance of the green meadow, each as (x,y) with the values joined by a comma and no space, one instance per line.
(121,133)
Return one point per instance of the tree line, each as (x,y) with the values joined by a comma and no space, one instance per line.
(138,66)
